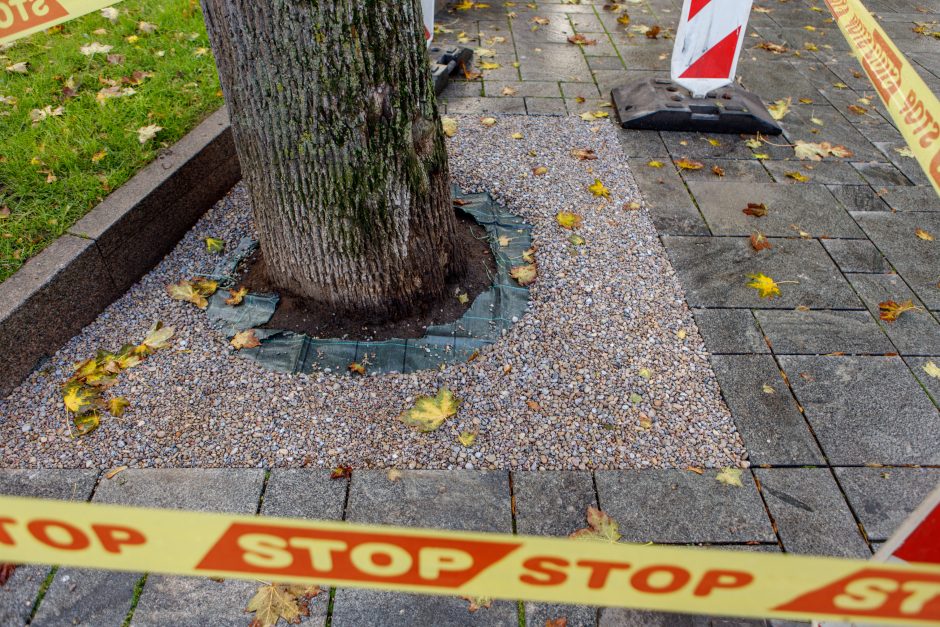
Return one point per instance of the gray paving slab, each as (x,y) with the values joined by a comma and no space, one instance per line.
(930,383)
(466,500)
(622,617)
(680,506)
(866,409)
(878,174)
(732,171)
(910,198)
(915,259)
(304,493)
(540,613)
(856,255)
(768,419)
(915,332)
(730,331)
(810,512)
(310,494)
(643,144)
(667,199)
(188,600)
(823,332)
(552,503)
(714,273)
(95,598)
(908,166)
(706,146)
(19,594)
(858,197)
(790,209)
(883,498)
(818,173)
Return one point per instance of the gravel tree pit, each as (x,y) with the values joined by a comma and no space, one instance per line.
(606,369)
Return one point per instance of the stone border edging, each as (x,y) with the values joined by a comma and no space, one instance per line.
(63,288)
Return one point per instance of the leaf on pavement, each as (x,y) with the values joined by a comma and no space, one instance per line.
(717,170)
(689,164)
(601,527)
(932,369)
(655,164)
(756,209)
(764,285)
(476,603)
(924,235)
(245,339)
(797,176)
(273,602)
(891,310)
(780,108)
(581,40)
(759,241)
(568,220)
(429,413)
(730,476)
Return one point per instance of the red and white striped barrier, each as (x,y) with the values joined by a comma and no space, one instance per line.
(708,42)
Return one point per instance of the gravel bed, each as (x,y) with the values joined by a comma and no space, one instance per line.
(561,390)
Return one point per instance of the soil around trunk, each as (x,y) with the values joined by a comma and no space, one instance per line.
(295,313)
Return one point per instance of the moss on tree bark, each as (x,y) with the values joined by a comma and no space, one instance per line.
(340,142)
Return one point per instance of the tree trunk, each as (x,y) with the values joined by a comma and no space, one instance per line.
(339,137)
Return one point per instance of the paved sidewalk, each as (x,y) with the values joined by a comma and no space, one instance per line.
(833,404)
(776,509)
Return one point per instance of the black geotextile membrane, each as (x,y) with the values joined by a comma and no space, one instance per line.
(491,313)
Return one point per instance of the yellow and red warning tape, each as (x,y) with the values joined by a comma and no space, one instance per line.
(19,18)
(499,566)
(910,102)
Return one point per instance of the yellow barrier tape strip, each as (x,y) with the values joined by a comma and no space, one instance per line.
(910,102)
(21,18)
(500,566)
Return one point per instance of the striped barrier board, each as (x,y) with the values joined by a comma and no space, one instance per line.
(708,43)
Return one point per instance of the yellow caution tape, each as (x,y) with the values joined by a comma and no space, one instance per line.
(19,18)
(910,102)
(500,566)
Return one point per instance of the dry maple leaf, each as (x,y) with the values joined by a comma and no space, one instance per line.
(765,286)
(273,602)
(730,476)
(235,297)
(79,399)
(467,438)
(6,571)
(356,368)
(476,603)
(601,527)
(429,413)
(157,337)
(524,275)
(689,164)
(598,189)
(561,621)
(797,176)
(528,256)
(655,164)
(924,235)
(780,108)
(245,339)
(891,310)
(488,121)
(568,220)
(932,369)
(584,154)
(540,171)
(213,245)
(857,110)
(756,209)
(653,32)
(117,405)
(772,47)
(759,241)
(341,472)
(718,170)
(449,125)
(581,40)
(146,133)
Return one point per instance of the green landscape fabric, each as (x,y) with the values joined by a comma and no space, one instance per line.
(491,313)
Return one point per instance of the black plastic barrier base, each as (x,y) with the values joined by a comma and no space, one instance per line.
(658,104)
(445,60)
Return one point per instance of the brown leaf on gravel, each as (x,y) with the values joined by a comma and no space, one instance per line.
(534,406)
(756,209)
(6,571)
(245,339)
(584,154)
(524,275)
(759,241)
(356,367)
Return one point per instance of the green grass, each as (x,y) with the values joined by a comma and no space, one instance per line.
(53,172)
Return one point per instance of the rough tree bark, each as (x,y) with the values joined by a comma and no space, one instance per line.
(340,142)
